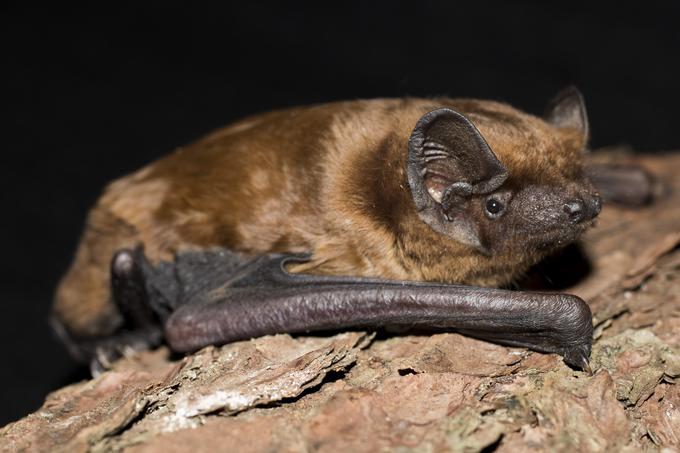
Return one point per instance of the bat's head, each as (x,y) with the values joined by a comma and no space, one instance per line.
(501,181)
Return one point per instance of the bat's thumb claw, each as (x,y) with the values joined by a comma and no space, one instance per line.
(578,357)
(585,366)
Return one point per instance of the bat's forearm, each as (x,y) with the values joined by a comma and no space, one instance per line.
(545,322)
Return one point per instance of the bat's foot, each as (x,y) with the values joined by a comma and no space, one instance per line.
(128,289)
(108,351)
(140,330)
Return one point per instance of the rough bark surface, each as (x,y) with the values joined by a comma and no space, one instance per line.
(444,392)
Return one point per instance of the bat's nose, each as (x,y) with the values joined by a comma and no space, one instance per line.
(574,210)
(597,204)
(581,209)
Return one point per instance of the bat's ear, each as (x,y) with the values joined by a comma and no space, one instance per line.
(568,110)
(448,162)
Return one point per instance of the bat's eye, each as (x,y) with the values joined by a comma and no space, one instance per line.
(494,208)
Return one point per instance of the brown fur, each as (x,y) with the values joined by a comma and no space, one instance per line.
(330,179)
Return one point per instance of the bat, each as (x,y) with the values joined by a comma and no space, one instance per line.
(388,212)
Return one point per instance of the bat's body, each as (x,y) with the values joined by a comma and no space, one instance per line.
(376,189)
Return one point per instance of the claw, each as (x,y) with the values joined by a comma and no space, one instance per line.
(578,358)
(585,366)
(102,360)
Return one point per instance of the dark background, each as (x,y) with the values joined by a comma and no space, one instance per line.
(90,94)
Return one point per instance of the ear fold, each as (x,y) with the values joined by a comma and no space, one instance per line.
(448,162)
(568,110)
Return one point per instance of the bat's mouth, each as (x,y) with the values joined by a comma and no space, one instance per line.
(560,237)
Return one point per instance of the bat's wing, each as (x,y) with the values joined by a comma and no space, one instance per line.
(624,184)
(218,297)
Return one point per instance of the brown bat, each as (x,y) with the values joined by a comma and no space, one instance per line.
(349,214)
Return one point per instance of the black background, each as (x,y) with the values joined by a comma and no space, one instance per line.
(90,94)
